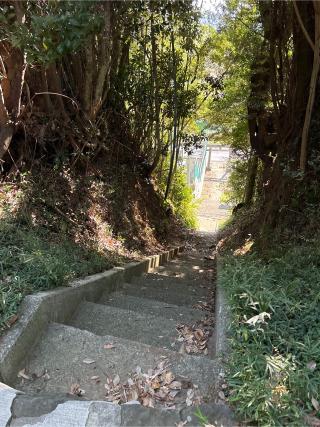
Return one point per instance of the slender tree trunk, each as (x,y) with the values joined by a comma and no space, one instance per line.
(55,86)
(156,97)
(313,86)
(11,104)
(251,179)
(88,78)
(175,117)
(103,60)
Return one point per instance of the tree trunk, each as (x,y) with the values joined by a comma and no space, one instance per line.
(10,103)
(280,189)
(175,117)
(313,85)
(55,86)
(251,179)
(103,62)
(88,78)
(156,97)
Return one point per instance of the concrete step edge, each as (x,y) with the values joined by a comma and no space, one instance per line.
(148,301)
(19,409)
(39,309)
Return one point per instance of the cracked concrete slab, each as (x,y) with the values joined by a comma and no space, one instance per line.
(7,396)
(104,414)
(68,414)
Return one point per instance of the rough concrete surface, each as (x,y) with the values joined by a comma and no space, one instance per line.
(62,351)
(217,414)
(220,342)
(7,397)
(152,307)
(132,325)
(58,306)
(160,289)
(71,413)
(138,316)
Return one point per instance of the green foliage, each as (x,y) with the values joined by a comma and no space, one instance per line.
(54,30)
(30,262)
(203,420)
(235,46)
(181,197)
(274,365)
(235,188)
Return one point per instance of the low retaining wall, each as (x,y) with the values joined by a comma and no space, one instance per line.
(222,318)
(58,305)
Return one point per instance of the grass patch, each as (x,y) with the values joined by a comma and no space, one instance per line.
(31,261)
(274,369)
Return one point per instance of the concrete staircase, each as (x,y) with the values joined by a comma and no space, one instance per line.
(131,331)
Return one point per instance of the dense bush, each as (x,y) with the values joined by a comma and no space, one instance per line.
(181,197)
(30,261)
(274,366)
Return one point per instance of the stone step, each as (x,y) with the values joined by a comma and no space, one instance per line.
(191,270)
(168,290)
(52,411)
(152,307)
(70,356)
(197,275)
(145,328)
(61,411)
(199,281)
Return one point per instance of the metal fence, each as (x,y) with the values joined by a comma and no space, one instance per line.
(195,165)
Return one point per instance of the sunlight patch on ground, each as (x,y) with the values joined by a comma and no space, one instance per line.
(212,213)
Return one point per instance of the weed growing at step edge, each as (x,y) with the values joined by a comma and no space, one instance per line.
(30,261)
(274,369)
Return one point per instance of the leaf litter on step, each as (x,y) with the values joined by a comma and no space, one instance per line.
(158,386)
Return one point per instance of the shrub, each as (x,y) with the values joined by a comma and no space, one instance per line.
(31,261)
(181,197)
(274,369)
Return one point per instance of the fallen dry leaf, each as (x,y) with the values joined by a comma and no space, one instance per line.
(312,365)
(168,377)
(198,333)
(116,380)
(155,384)
(175,385)
(312,421)
(221,395)
(11,320)
(195,337)
(148,402)
(109,346)
(88,361)
(315,404)
(22,374)
(76,390)
(46,376)
(157,387)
